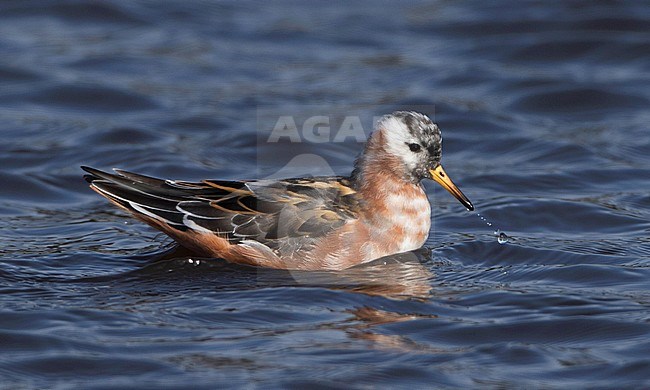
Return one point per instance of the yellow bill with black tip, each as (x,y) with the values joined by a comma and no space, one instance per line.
(440,176)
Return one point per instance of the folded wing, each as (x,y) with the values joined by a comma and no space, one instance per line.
(284,215)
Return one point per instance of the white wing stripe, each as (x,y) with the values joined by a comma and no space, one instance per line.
(195,226)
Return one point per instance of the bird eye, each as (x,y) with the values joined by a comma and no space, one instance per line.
(415,147)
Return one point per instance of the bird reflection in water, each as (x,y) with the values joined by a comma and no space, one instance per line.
(402,277)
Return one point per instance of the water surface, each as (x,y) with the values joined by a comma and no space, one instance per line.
(544,112)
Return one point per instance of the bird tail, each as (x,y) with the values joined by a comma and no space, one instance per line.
(149,199)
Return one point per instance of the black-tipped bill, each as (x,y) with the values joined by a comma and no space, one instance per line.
(440,176)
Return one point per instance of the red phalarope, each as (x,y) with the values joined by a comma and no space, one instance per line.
(318,223)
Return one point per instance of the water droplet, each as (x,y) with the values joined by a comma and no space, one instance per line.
(502,238)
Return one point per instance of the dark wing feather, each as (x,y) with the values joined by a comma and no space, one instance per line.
(293,208)
(284,214)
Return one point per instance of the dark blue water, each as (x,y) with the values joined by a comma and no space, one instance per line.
(544,112)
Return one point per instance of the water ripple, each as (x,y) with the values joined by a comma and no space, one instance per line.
(543,107)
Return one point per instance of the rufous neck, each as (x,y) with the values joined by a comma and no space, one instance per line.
(378,173)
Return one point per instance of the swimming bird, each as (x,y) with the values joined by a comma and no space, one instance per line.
(311,223)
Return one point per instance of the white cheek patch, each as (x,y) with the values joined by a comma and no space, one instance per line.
(397,139)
